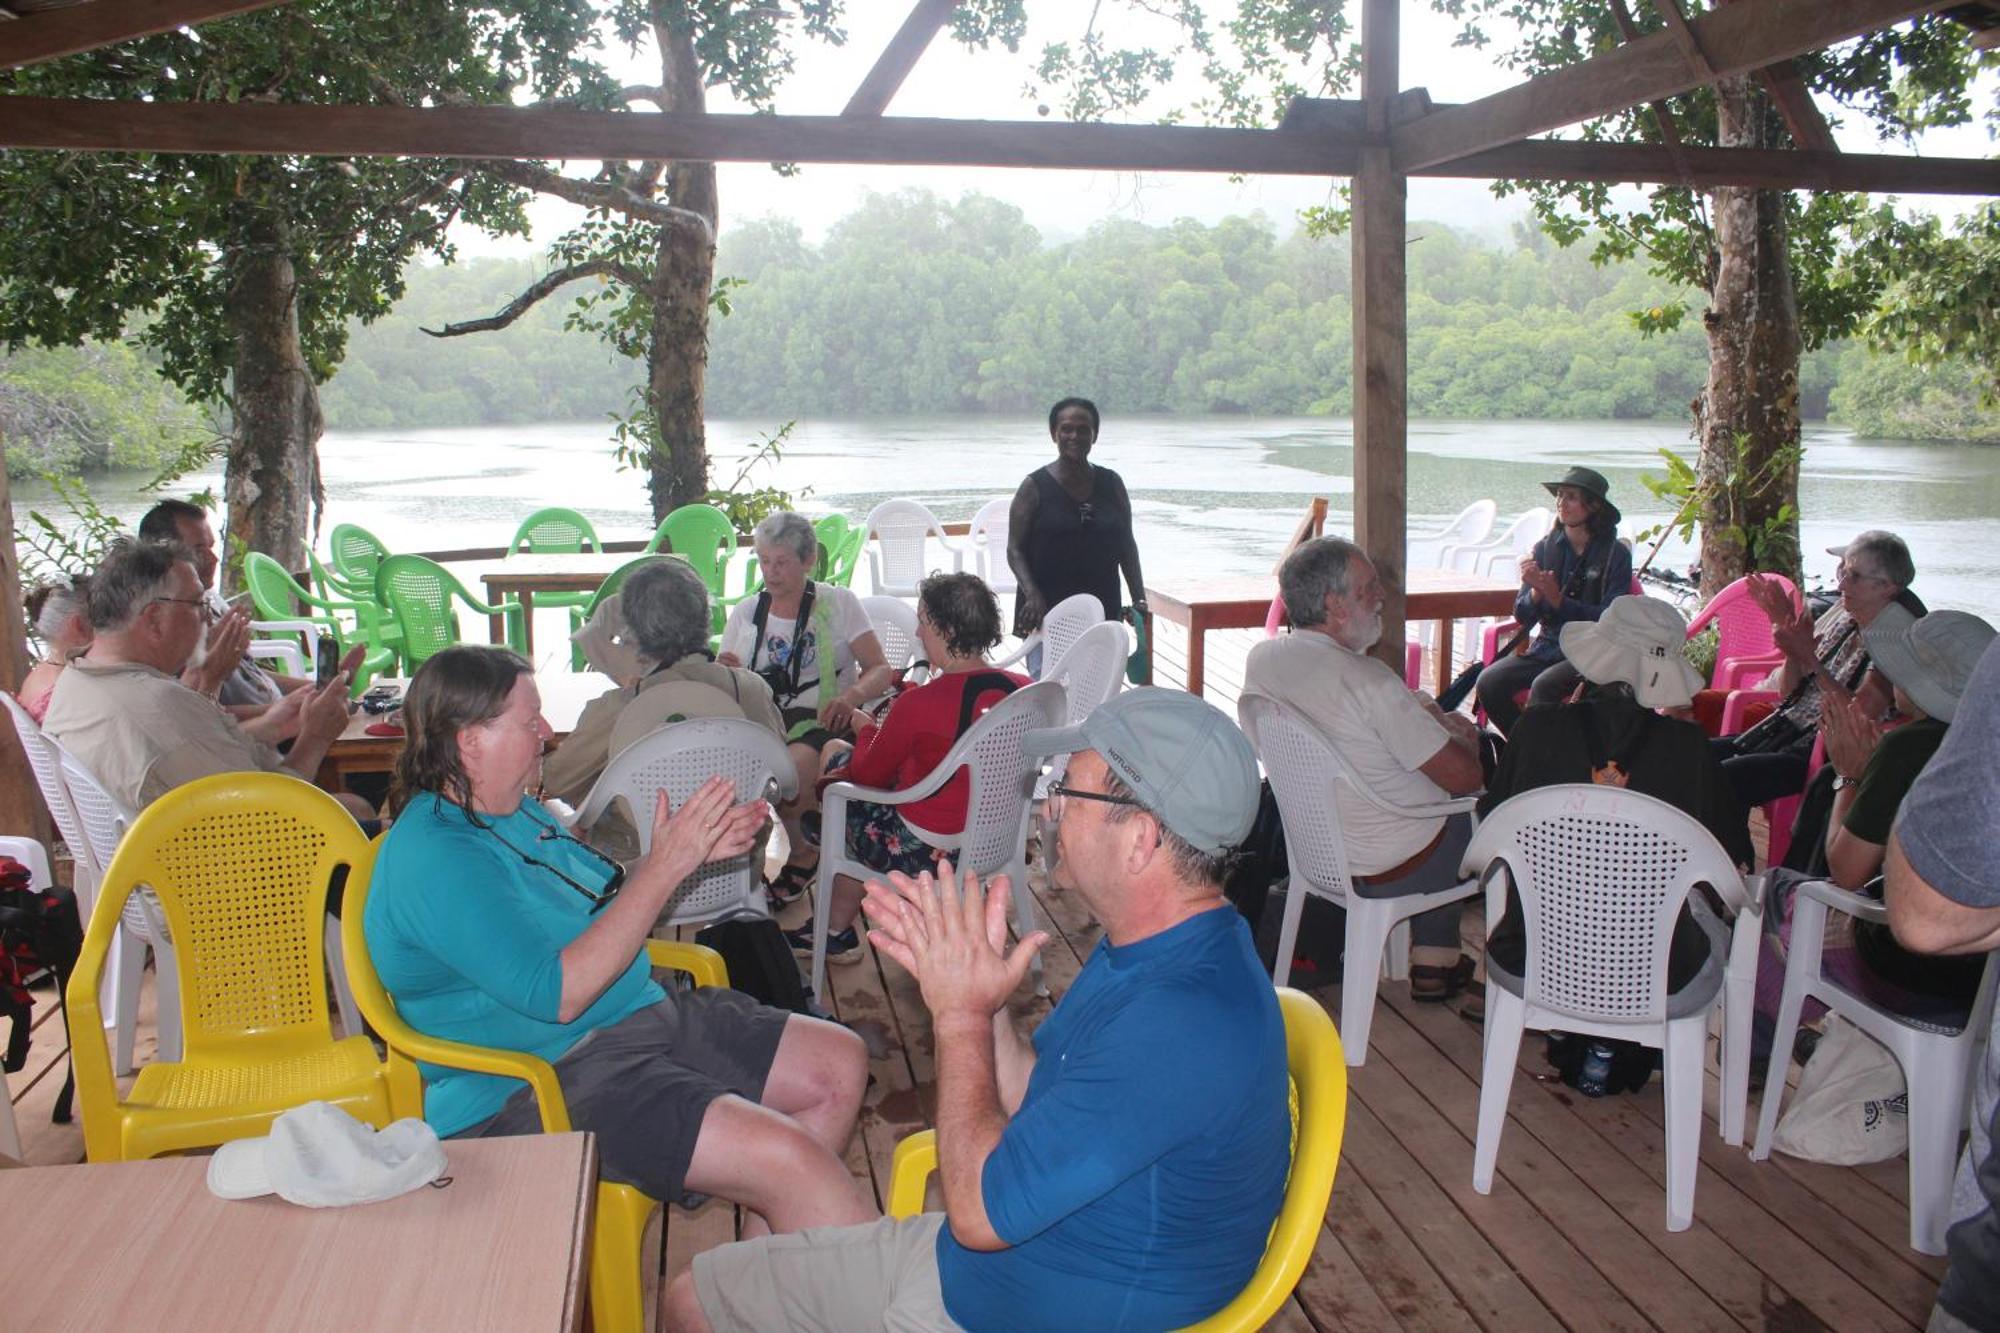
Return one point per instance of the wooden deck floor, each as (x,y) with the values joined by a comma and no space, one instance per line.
(1572,1236)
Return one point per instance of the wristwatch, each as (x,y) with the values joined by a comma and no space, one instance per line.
(1842,781)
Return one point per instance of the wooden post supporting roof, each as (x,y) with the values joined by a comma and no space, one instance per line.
(21,809)
(1381,363)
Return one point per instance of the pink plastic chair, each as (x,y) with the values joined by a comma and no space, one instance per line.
(1746,651)
(1782,813)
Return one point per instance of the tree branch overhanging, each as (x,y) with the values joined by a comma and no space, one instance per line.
(593,194)
(542,287)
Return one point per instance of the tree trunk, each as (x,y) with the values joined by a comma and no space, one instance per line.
(1748,415)
(683,276)
(272,482)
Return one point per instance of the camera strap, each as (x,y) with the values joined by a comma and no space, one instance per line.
(761,617)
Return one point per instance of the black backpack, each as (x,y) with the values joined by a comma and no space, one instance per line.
(39,929)
(760,962)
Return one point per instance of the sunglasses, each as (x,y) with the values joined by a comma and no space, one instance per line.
(597,897)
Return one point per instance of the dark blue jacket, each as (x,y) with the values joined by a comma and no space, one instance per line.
(1592,580)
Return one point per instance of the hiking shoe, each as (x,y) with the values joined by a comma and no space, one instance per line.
(842,946)
(1431,984)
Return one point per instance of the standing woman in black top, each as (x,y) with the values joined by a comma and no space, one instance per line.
(1070,528)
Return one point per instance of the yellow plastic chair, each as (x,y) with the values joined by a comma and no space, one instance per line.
(240,864)
(1319,1117)
(617,1297)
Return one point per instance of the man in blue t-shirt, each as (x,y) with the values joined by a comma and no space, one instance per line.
(1123,1170)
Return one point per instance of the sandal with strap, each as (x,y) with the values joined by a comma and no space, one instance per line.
(790,883)
(1430,984)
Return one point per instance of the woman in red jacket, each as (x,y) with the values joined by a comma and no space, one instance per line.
(958,620)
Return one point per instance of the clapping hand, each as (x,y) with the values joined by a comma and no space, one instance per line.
(1772,600)
(1541,582)
(709,826)
(228,639)
(1851,735)
(952,937)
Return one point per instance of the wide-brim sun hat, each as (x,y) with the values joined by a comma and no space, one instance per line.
(1640,642)
(1592,483)
(1930,658)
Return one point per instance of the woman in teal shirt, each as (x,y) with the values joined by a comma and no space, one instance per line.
(491,925)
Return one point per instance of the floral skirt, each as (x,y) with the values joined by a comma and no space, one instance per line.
(881,839)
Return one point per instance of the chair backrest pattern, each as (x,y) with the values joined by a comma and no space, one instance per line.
(419,592)
(1093,668)
(1743,628)
(900,528)
(1602,873)
(895,625)
(677,759)
(1064,623)
(1302,768)
(554,531)
(702,535)
(357,553)
(996,812)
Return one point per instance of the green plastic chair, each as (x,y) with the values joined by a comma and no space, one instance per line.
(832,533)
(555,532)
(841,567)
(387,634)
(703,536)
(357,554)
(419,593)
(612,583)
(277,596)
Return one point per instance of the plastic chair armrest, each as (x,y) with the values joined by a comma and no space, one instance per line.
(1745,672)
(916,1157)
(933,780)
(699,961)
(1489,642)
(1857,905)
(536,1072)
(1738,703)
(1028,645)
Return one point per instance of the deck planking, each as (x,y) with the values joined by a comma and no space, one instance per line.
(1572,1235)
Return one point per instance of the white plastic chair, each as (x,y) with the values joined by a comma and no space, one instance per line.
(1091,672)
(995,838)
(294,644)
(678,758)
(36,858)
(1304,769)
(1602,874)
(895,624)
(1426,550)
(1496,558)
(896,556)
(989,544)
(1062,625)
(45,761)
(102,820)
(1937,1061)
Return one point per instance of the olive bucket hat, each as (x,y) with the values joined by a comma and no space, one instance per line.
(1591,483)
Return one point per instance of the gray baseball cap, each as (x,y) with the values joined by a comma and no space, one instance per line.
(1183,758)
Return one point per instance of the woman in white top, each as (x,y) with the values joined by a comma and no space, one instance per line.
(813,645)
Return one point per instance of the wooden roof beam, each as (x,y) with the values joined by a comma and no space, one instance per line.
(48,34)
(1326,142)
(899,57)
(1733,40)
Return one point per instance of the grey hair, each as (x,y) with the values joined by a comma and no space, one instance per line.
(1310,573)
(1890,553)
(789,530)
(666,609)
(53,603)
(1195,867)
(132,575)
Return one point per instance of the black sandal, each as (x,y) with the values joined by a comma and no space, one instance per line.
(1430,984)
(790,883)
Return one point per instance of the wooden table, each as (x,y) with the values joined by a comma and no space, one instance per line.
(564,694)
(144,1244)
(1200,605)
(522,576)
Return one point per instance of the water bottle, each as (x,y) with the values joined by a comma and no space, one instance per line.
(1594,1078)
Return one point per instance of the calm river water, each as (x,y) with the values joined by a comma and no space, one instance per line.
(1213,495)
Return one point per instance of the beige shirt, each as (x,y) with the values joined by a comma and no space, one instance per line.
(574,768)
(142,733)
(1364,710)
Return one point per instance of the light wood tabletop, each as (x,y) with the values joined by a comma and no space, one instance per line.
(144,1244)
(564,695)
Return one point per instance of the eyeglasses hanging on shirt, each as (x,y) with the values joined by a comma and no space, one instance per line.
(598,897)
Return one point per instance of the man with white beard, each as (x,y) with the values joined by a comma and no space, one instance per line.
(1396,741)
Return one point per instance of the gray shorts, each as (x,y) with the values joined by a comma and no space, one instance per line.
(643,1084)
(880,1274)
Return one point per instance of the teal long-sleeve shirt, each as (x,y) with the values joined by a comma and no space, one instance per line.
(468,935)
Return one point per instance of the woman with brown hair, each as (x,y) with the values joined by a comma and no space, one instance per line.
(490,924)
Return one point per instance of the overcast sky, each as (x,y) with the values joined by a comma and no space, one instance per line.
(952,82)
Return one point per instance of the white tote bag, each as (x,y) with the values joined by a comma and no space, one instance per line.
(1850,1106)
